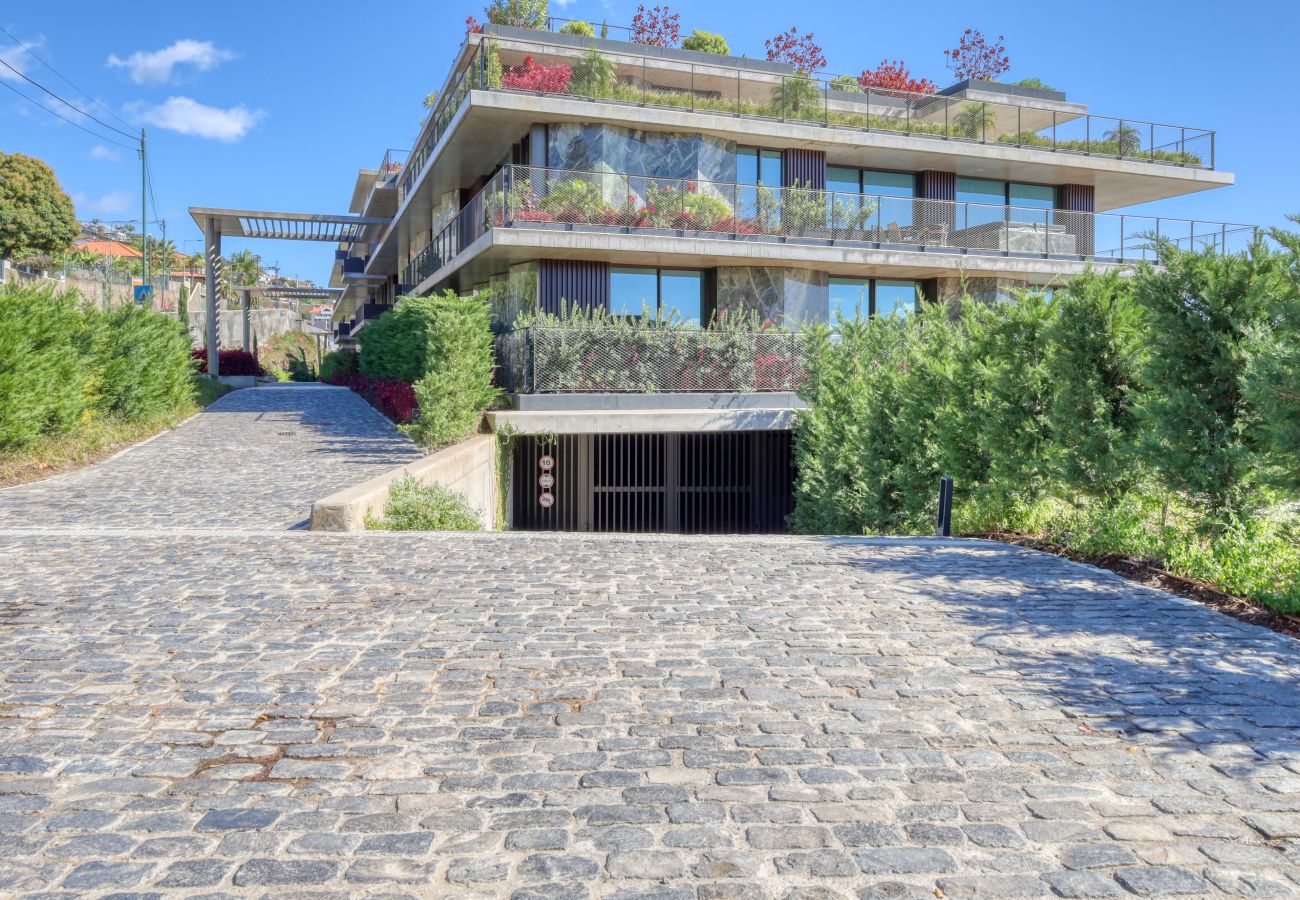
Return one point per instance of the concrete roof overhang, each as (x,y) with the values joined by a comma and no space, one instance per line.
(494,252)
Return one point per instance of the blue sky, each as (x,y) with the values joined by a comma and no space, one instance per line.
(276,105)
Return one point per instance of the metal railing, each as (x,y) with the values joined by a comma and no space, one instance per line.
(469,225)
(530,197)
(632,358)
(603,30)
(617,74)
(392,166)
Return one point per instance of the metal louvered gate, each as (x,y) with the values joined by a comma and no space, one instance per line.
(698,483)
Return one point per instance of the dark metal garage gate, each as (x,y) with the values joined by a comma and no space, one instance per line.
(731,482)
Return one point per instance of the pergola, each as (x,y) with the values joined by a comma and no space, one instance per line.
(252,223)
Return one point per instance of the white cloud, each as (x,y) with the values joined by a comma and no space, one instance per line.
(100,153)
(114,203)
(18,58)
(563,4)
(155,67)
(188,116)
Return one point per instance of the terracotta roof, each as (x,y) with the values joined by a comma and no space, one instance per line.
(107,247)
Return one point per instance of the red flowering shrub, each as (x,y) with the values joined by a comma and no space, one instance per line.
(894,76)
(231,362)
(472,26)
(799,51)
(775,372)
(395,399)
(977,57)
(536,77)
(657,27)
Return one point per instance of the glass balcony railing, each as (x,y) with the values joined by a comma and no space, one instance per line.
(615,72)
(562,199)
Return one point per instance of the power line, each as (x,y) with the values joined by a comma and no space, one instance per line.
(32,53)
(71,106)
(93,134)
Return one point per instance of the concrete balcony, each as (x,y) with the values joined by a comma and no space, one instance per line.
(527,212)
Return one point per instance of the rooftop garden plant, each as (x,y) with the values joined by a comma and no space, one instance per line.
(894,76)
(579,29)
(706,42)
(658,26)
(797,50)
(977,57)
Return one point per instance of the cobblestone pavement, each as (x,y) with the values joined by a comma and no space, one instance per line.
(289,714)
(258,457)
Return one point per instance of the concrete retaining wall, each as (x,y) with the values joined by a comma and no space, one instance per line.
(266,324)
(469,468)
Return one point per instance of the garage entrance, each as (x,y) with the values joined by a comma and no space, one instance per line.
(737,482)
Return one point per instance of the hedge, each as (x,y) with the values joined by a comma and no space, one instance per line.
(440,346)
(62,361)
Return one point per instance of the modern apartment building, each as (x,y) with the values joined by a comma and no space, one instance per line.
(561,171)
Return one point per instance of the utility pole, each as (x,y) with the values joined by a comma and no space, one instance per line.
(166,263)
(144,224)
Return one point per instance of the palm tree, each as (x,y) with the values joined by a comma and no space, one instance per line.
(162,256)
(241,269)
(1126,138)
(974,121)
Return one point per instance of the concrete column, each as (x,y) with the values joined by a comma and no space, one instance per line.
(248,321)
(212,270)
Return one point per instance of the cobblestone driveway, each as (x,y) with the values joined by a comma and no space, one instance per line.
(256,458)
(276,713)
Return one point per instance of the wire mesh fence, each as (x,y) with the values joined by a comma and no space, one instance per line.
(632,359)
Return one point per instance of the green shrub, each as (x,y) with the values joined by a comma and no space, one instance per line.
(593,76)
(1200,431)
(581,29)
(142,363)
(1094,354)
(1272,383)
(706,42)
(412,506)
(396,345)
(456,385)
(290,356)
(337,365)
(43,371)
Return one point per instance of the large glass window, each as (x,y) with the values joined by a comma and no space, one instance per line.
(1038,196)
(981,201)
(894,296)
(850,299)
(682,290)
(756,167)
(633,291)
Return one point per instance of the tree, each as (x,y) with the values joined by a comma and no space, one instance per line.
(977,57)
(580,29)
(520,13)
(706,42)
(656,27)
(1272,383)
(1199,428)
(241,269)
(800,51)
(36,216)
(894,76)
(593,76)
(973,121)
(1094,353)
(846,83)
(1128,141)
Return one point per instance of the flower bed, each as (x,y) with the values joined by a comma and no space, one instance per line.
(395,399)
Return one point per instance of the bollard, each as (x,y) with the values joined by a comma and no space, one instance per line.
(943,522)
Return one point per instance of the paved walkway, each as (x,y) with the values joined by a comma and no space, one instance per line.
(279,713)
(257,458)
